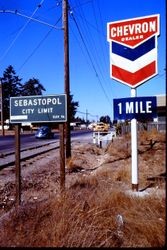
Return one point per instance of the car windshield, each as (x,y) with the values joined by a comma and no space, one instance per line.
(44,129)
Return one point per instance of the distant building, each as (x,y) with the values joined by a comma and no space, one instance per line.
(161,108)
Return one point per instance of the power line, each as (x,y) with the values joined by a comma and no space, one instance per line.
(90,58)
(93,42)
(38,46)
(30,18)
(81,112)
(21,30)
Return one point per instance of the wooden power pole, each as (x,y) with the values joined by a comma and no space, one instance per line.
(66,76)
(1,108)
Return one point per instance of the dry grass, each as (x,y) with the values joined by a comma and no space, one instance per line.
(98,209)
(87,217)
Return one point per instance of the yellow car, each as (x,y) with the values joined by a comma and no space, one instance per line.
(101,126)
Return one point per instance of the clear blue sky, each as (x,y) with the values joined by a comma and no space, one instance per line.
(36,50)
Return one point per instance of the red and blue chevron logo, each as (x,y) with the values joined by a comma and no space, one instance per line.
(133,49)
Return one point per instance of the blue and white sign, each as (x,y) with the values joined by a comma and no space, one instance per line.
(135,107)
(52,108)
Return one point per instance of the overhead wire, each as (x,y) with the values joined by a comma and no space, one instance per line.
(87,113)
(81,112)
(30,18)
(103,61)
(78,5)
(38,46)
(106,64)
(44,38)
(90,57)
(100,61)
(89,39)
(79,44)
(21,31)
(103,64)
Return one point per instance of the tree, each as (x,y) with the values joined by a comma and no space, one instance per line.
(11,86)
(72,108)
(105,119)
(32,87)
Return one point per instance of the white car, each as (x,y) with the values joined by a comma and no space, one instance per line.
(91,126)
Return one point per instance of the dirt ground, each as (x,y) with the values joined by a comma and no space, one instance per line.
(40,178)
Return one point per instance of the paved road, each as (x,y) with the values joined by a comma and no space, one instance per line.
(7,154)
(7,143)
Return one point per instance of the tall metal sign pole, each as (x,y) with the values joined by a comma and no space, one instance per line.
(66,76)
(133,60)
(134,154)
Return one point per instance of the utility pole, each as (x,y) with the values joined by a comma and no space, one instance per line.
(86,118)
(66,76)
(1,108)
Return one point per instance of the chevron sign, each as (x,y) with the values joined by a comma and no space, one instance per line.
(133,49)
